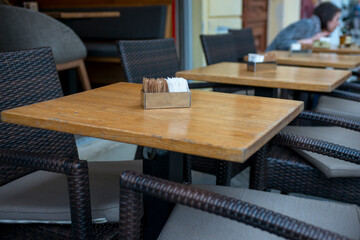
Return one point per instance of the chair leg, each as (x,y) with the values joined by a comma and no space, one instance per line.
(187,170)
(81,70)
(84,78)
(258,169)
(223,175)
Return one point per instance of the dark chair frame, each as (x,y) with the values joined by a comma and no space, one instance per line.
(279,167)
(132,185)
(26,77)
(244,42)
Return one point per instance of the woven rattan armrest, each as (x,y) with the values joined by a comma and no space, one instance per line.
(350,86)
(134,183)
(317,146)
(78,183)
(330,120)
(42,162)
(344,95)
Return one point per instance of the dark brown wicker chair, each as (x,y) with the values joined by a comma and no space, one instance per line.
(186,223)
(219,48)
(158,58)
(244,42)
(147,58)
(26,77)
(284,169)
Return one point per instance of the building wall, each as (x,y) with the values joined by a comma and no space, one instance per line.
(213,17)
(281,14)
(197,54)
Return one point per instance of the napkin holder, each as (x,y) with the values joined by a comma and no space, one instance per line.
(303,51)
(261,66)
(299,48)
(165,100)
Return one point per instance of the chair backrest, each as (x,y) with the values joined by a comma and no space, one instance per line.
(219,48)
(244,41)
(27,77)
(148,58)
(21,28)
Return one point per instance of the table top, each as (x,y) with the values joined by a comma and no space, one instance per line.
(65,15)
(218,125)
(338,50)
(317,60)
(295,78)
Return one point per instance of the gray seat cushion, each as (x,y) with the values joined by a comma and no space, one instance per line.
(339,107)
(21,28)
(188,223)
(43,196)
(331,167)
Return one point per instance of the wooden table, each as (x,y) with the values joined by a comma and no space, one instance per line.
(344,50)
(224,126)
(295,78)
(317,60)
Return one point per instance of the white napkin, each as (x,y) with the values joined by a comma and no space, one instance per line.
(177,84)
(295,47)
(253,57)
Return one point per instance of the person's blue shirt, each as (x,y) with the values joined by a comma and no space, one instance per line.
(305,28)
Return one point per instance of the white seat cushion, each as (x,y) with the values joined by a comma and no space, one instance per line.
(188,223)
(339,107)
(331,167)
(43,196)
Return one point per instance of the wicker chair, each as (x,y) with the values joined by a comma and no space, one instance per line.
(221,48)
(147,58)
(244,42)
(282,215)
(60,193)
(291,167)
(158,58)
(22,28)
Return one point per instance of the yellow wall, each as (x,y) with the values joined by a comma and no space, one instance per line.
(198,55)
(281,13)
(211,17)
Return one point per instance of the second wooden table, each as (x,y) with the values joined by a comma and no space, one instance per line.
(317,60)
(295,78)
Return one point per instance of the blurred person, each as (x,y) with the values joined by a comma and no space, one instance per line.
(324,20)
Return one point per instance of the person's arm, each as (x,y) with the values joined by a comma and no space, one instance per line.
(311,40)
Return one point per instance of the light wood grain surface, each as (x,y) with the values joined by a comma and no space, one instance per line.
(218,125)
(317,60)
(344,50)
(296,78)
